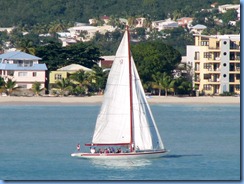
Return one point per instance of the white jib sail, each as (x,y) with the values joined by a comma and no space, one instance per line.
(146,135)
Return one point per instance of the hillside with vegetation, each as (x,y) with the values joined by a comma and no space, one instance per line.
(157,53)
(26,12)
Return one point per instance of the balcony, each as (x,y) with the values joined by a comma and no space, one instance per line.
(215,80)
(235,47)
(214,59)
(213,48)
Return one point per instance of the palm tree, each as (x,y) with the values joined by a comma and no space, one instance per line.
(55,27)
(64,85)
(27,46)
(157,82)
(99,77)
(9,86)
(36,88)
(163,81)
(2,82)
(176,14)
(82,78)
(167,83)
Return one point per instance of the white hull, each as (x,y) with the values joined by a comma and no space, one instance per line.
(140,155)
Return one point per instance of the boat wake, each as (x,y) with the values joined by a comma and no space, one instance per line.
(120,164)
(178,156)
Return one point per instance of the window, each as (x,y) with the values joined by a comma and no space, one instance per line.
(19,63)
(10,72)
(58,76)
(233,45)
(231,78)
(204,43)
(22,74)
(207,55)
(232,67)
(207,87)
(207,76)
(197,56)
(34,74)
(237,76)
(238,87)
(206,65)
(28,63)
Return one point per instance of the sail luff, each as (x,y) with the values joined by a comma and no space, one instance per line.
(130,92)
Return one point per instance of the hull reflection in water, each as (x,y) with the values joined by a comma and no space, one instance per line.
(120,163)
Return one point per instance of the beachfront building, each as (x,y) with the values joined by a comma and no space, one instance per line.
(22,68)
(185,21)
(198,29)
(86,33)
(65,72)
(216,63)
(106,62)
(164,24)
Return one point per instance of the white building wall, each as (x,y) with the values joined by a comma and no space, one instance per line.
(225,67)
(29,76)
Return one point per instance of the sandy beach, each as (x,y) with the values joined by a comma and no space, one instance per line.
(12,100)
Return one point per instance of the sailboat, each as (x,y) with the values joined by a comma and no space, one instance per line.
(125,127)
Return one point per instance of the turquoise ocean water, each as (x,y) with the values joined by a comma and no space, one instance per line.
(36,143)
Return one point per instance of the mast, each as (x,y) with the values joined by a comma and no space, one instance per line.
(130,88)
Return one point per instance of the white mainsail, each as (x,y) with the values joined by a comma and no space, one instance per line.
(113,122)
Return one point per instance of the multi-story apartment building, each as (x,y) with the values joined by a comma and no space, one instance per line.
(216,63)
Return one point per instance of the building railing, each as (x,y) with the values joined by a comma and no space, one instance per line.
(235,47)
(214,48)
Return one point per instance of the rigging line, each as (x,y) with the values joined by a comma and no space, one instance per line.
(117,84)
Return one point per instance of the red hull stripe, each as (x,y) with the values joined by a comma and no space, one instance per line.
(121,154)
(107,144)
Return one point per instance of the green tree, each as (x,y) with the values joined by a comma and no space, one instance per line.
(157,82)
(82,53)
(153,57)
(36,88)
(55,27)
(64,86)
(82,78)
(163,81)
(27,47)
(9,86)
(176,14)
(99,78)
(52,54)
(229,15)
(2,82)
(183,86)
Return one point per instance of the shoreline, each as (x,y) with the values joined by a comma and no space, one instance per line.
(93,100)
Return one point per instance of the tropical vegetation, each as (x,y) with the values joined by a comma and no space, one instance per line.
(157,53)
(37,88)
(31,13)
(7,86)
